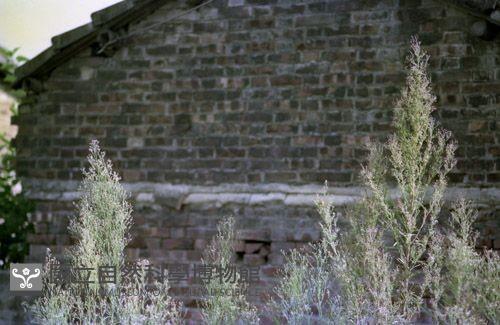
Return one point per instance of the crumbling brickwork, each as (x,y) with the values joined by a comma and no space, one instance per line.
(257,93)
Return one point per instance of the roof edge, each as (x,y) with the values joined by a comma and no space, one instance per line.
(65,45)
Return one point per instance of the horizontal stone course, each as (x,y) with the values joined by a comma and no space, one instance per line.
(239,193)
(185,216)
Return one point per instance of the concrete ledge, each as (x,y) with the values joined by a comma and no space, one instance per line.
(178,195)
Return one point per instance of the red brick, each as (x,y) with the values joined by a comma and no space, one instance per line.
(239,246)
(277,247)
(264,251)
(270,270)
(253,259)
(177,244)
(250,234)
(251,248)
(200,244)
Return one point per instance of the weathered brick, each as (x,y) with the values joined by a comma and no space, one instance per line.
(111,75)
(161,50)
(253,259)
(177,244)
(258,92)
(251,248)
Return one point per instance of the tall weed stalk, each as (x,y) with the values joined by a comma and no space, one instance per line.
(395,264)
(102,233)
(225,302)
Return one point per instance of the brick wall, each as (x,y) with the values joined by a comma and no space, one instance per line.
(273,97)
(263,93)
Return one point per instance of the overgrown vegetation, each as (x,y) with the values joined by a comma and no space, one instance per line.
(395,264)
(220,307)
(9,61)
(101,230)
(15,209)
(14,206)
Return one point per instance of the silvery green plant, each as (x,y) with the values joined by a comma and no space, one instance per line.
(468,288)
(305,292)
(394,258)
(220,308)
(54,307)
(102,233)
(391,232)
(105,216)
(420,155)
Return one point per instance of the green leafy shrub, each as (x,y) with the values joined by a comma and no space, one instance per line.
(9,61)
(395,264)
(14,210)
(14,206)
(101,230)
